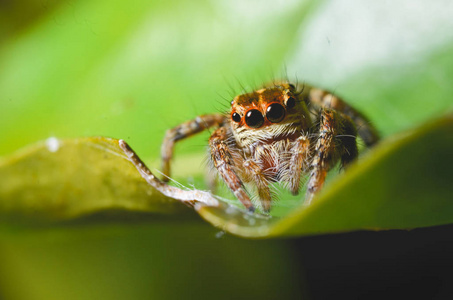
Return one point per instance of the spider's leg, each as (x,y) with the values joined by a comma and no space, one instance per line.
(336,141)
(183,131)
(189,197)
(318,98)
(299,156)
(225,160)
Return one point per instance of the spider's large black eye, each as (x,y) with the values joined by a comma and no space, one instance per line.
(290,103)
(254,119)
(236,117)
(275,112)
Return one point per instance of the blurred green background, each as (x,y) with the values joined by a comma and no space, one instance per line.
(131,70)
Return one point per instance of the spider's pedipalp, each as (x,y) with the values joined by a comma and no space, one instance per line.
(256,175)
(297,163)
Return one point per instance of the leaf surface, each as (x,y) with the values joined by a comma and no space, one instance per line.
(401,184)
(63,179)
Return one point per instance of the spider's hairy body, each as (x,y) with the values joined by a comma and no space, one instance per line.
(277,134)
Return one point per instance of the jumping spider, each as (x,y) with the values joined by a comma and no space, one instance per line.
(277,134)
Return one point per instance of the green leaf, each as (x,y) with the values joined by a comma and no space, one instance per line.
(62,179)
(401,184)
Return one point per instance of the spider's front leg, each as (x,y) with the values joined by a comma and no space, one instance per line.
(183,131)
(336,141)
(189,197)
(225,161)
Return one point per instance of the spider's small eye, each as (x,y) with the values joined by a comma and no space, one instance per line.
(236,117)
(275,112)
(290,103)
(254,119)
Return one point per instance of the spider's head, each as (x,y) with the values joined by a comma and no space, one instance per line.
(269,112)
